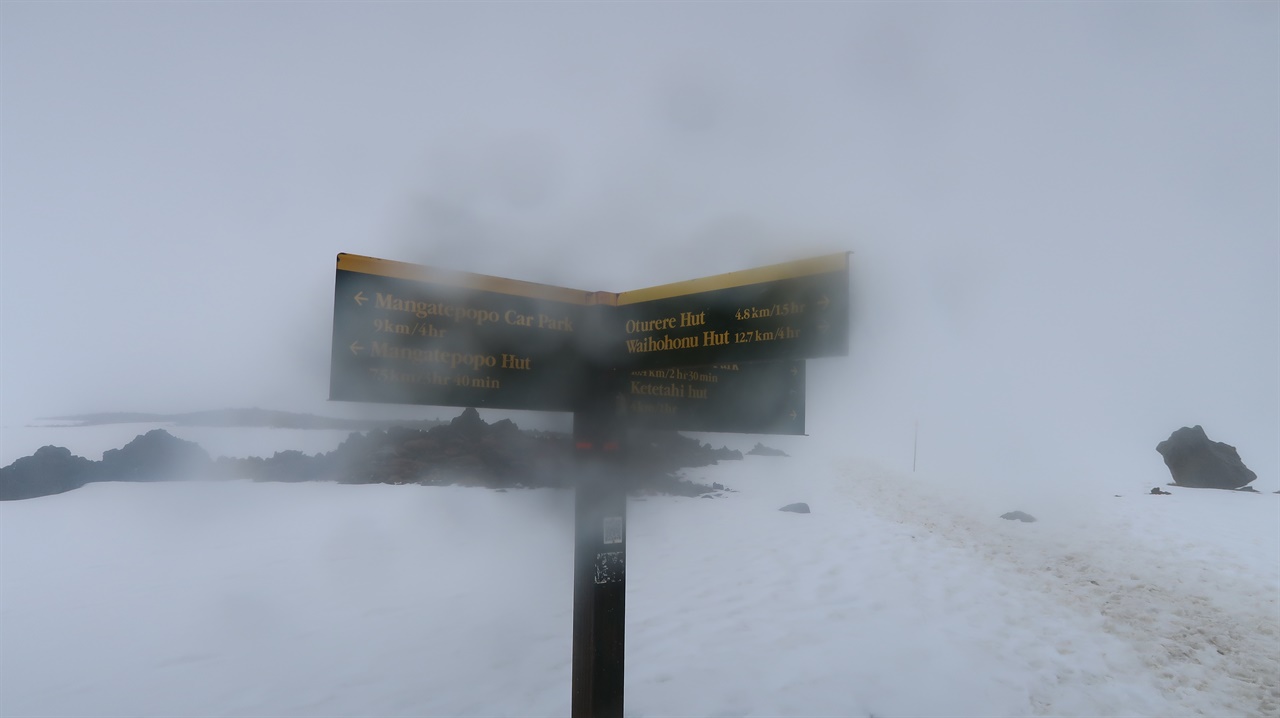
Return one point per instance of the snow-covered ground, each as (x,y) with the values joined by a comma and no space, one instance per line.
(900,595)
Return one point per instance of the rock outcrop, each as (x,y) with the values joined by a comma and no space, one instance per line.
(154,456)
(467,451)
(51,470)
(667,451)
(762,450)
(1196,462)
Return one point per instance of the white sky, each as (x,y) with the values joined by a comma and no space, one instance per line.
(1064,215)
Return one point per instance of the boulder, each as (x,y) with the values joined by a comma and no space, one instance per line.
(1157,491)
(1019,516)
(800,508)
(154,456)
(1196,462)
(762,450)
(51,470)
(468,424)
(724,453)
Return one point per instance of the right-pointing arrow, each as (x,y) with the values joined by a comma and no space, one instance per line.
(823,303)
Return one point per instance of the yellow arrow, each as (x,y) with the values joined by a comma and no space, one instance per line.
(792,413)
(823,303)
(360,298)
(356,348)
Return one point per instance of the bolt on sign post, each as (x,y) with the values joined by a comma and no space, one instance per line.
(721,353)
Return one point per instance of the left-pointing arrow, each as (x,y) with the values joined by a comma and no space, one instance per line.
(360,298)
(356,348)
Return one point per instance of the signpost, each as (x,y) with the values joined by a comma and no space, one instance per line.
(409,334)
(722,353)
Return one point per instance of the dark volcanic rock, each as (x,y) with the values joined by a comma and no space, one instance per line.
(469,424)
(762,450)
(1019,516)
(724,453)
(665,484)
(1157,491)
(800,508)
(466,450)
(290,465)
(667,451)
(51,470)
(154,456)
(1196,462)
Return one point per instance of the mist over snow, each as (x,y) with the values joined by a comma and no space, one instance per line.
(1065,245)
(1062,215)
(899,595)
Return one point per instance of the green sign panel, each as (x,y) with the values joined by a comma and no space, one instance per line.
(744,398)
(410,334)
(798,310)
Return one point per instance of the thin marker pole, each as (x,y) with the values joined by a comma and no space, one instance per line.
(915,446)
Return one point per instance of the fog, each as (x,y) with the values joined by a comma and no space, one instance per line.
(1063,217)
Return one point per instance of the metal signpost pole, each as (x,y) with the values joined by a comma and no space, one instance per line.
(600,550)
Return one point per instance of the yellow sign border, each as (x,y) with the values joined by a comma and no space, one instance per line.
(759,275)
(466,280)
(462,280)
